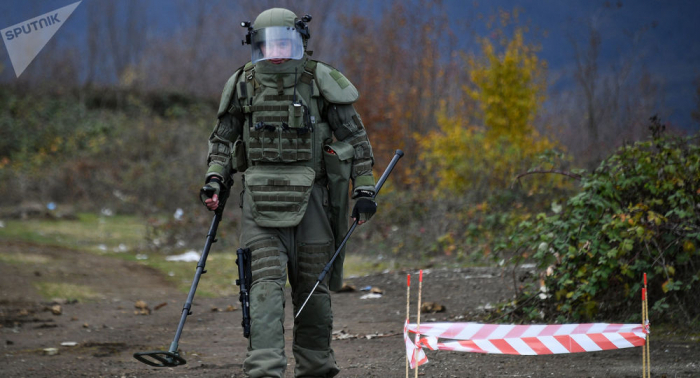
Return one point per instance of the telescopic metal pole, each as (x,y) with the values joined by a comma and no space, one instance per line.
(397,155)
(172,357)
(211,238)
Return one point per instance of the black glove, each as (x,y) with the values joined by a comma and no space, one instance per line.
(212,186)
(364,208)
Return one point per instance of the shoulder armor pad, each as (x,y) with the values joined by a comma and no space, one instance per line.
(334,86)
(226,96)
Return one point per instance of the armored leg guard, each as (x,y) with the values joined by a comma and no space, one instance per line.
(265,357)
(312,337)
(314,363)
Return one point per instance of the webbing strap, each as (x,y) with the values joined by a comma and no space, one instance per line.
(295,155)
(278,97)
(362,167)
(265,108)
(280,208)
(265,243)
(310,66)
(279,188)
(276,198)
(294,134)
(249,70)
(262,133)
(242,89)
(358,123)
(288,188)
(271,118)
(250,77)
(275,182)
(307,77)
(280,85)
(258,265)
(265,253)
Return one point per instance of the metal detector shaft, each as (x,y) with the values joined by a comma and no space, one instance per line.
(211,238)
(397,155)
(171,357)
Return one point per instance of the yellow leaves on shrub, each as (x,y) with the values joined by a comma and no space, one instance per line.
(656,218)
(508,88)
(671,270)
(665,285)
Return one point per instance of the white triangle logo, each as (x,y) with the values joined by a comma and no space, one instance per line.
(25,40)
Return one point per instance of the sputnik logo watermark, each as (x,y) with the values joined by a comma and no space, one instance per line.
(25,40)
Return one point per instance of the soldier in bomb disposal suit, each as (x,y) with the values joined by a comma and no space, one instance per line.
(288,124)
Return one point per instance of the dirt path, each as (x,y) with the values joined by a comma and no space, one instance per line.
(368,342)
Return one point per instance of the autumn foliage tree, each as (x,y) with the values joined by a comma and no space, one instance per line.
(507,83)
(404,66)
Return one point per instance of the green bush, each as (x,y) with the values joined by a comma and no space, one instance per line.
(638,212)
(103,147)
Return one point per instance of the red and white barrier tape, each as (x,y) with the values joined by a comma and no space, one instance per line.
(412,351)
(523,339)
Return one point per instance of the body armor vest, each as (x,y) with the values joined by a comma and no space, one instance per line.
(283,123)
(283,135)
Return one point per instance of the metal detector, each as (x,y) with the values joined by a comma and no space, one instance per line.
(171,357)
(397,155)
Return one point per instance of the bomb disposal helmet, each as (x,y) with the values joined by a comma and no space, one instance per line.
(277,33)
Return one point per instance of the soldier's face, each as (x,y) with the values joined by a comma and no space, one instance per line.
(276,49)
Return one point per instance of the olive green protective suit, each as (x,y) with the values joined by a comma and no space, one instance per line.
(292,130)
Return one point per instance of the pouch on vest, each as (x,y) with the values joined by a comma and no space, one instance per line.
(338,161)
(278,195)
(297,116)
(264,143)
(238,156)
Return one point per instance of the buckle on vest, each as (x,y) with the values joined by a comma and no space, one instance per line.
(261,125)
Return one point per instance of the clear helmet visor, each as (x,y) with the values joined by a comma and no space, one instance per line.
(277,42)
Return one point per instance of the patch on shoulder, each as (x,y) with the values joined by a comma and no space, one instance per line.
(334,86)
(339,78)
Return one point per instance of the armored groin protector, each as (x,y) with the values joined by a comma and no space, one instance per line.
(276,42)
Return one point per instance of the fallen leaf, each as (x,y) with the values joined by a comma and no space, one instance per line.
(56,309)
(346,288)
(431,307)
(142,308)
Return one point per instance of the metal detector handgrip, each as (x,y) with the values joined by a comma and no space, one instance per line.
(397,155)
